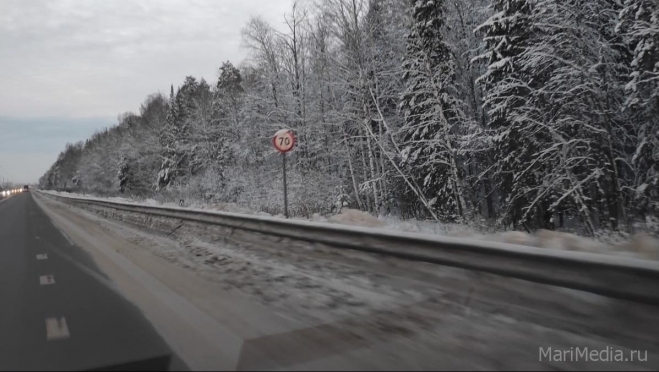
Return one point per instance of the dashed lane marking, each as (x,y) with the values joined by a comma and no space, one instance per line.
(42,256)
(46,279)
(56,329)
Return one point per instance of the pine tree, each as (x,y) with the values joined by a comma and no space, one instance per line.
(433,116)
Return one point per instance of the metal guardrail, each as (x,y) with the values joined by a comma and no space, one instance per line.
(611,276)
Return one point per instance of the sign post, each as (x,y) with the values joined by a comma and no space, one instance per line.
(283,157)
(284,141)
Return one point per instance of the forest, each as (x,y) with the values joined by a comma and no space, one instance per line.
(518,114)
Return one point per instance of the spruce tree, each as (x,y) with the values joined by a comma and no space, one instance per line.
(433,117)
(507,34)
(639,23)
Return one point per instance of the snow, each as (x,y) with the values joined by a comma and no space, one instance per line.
(357,218)
(640,245)
(231,207)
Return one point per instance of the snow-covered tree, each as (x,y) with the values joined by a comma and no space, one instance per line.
(571,119)
(433,115)
(530,112)
(180,150)
(507,34)
(639,24)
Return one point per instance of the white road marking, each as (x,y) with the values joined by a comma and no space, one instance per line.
(46,279)
(56,329)
(42,256)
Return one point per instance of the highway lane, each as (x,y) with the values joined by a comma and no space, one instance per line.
(56,312)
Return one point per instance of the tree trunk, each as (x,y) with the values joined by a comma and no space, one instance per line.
(352,174)
(364,169)
(371,163)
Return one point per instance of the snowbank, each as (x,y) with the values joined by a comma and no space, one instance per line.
(639,245)
(228,207)
(356,218)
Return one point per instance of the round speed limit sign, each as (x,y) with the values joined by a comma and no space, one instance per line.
(284,140)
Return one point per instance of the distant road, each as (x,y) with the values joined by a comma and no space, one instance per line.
(55,311)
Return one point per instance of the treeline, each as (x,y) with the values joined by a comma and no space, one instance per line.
(524,113)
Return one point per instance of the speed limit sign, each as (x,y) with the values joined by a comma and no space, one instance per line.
(284,140)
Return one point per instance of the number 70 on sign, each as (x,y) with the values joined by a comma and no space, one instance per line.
(284,140)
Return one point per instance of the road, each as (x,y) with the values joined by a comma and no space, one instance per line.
(248,304)
(56,311)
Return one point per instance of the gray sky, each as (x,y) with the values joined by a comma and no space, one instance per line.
(69,67)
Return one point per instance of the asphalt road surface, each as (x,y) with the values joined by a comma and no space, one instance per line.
(55,311)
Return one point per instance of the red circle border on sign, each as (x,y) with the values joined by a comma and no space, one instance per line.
(291,136)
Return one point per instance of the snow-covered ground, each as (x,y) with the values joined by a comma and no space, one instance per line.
(640,245)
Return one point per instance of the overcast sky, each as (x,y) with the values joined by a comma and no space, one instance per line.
(69,67)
